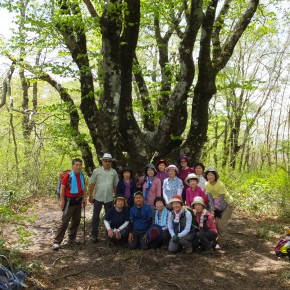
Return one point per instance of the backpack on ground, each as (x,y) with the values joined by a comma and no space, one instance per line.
(61,175)
(11,280)
(283,247)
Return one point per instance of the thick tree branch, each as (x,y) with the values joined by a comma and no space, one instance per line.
(91,9)
(5,84)
(239,28)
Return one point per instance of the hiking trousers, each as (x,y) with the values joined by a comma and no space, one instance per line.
(204,239)
(138,241)
(184,242)
(72,215)
(222,222)
(98,205)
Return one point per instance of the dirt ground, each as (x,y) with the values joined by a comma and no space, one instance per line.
(246,261)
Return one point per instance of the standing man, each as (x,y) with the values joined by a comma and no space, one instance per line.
(103,186)
(72,197)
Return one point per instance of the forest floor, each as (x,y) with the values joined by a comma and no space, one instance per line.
(246,261)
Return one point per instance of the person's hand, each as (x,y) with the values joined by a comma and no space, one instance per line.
(110,233)
(217,213)
(145,238)
(130,238)
(62,204)
(175,239)
(91,198)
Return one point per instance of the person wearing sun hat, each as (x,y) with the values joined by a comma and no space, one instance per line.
(180,226)
(194,190)
(103,186)
(172,185)
(117,220)
(220,201)
(207,231)
(184,170)
(127,185)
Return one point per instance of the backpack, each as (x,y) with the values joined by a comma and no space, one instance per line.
(11,280)
(61,175)
(194,220)
(283,248)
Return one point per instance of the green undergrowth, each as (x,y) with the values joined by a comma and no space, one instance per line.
(264,192)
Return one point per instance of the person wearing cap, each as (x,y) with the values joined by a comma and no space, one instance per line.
(180,226)
(172,185)
(150,185)
(103,185)
(199,172)
(207,231)
(162,174)
(194,189)
(158,234)
(140,221)
(184,170)
(117,220)
(220,201)
(127,185)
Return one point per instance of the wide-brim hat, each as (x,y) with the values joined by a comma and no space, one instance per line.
(183,157)
(107,156)
(191,176)
(199,200)
(177,198)
(211,169)
(120,197)
(150,165)
(172,166)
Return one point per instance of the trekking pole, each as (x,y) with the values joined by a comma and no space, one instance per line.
(84,224)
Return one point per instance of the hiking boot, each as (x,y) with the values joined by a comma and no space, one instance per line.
(207,252)
(94,240)
(73,242)
(56,247)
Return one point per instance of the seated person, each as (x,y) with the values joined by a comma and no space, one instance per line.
(158,234)
(117,220)
(207,231)
(140,221)
(180,226)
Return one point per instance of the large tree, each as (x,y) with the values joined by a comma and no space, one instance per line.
(177,31)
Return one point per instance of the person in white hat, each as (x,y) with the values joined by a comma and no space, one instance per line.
(207,231)
(194,189)
(180,226)
(172,185)
(103,185)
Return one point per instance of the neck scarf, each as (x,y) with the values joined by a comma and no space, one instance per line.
(149,182)
(176,221)
(163,219)
(127,189)
(201,220)
(74,184)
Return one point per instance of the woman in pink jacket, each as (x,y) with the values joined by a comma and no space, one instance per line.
(206,234)
(150,184)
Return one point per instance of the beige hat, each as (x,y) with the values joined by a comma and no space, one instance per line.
(198,199)
(191,176)
(107,156)
(172,166)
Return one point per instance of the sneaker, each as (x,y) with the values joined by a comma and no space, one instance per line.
(94,239)
(56,247)
(73,242)
(207,252)
(218,247)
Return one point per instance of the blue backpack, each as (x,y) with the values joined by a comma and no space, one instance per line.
(11,280)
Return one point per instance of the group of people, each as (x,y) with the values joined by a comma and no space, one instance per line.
(174,207)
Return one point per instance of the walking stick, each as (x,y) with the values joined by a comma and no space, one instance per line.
(84,224)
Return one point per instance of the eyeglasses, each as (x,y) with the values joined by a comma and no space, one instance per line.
(183,161)
(108,161)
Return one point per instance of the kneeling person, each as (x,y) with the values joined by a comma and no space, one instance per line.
(140,221)
(207,231)
(117,220)
(180,226)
